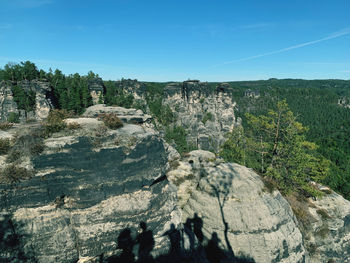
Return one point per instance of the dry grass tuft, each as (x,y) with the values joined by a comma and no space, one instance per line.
(111,120)
(300,207)
(14,174)
(5,126)
(73,126)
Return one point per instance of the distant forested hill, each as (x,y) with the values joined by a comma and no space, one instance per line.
(321,105)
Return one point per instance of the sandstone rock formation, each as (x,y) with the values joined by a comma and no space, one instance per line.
(126,115)
(89,185)
(328,235)
(7,103)
(259,224)
(206,113)
(96,88)
(43,102)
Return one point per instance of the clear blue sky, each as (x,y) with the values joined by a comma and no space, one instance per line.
(175,40)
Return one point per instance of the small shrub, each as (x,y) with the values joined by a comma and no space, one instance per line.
(14,174)
(207,117)
(98,135)
(4,146)
(270,185)
(323,231)
(13,117)
(5,126)
(327,191)
(323,213)
(312,248)
(177,135)
(27,145)
(100,131)
(140,105)
(111,120)
(54,122)
(174,164)
(13,156)
(300,207)
(73,126)
(37,148)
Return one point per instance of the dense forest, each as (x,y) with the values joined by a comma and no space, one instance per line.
(319,105)
(315,103)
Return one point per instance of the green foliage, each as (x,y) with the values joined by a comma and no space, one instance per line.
(207,117)
(54,122)
(111,120)
(17,72)
(25,99)
(116,96)
(5,146)
(177,135)
(73,126)
(13,117)
(14,174)
(71,92)
(140,105)
(154,98)
(29,144)
(315,103)
(234,148)
(275,145)
(5,126)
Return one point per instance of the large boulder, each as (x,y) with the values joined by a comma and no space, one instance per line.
(43,100)
(328,234)
(126,115)
(234,205)
(90,185)
(7,103)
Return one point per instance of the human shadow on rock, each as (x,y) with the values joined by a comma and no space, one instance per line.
(146,243)
(206,251)
(11,248)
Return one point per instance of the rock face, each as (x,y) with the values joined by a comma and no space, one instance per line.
(207,113)
(259,224)
(43,102)
(7,103)
(204,110)
(126,115)
(134,87)
(329,232)
(89,185)
(96,88)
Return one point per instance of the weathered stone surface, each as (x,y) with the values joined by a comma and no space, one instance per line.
(329,233)
(260,224)
(96,88)
(43,102)
(86,192)
(126,115)
(7,103)
(206,113)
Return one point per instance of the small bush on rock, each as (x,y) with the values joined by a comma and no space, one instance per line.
(5,126)
(13,156)
(14,174)
(54,122)
(13,117)
(4,146)
(111,120)
(73,126)
(30,144)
